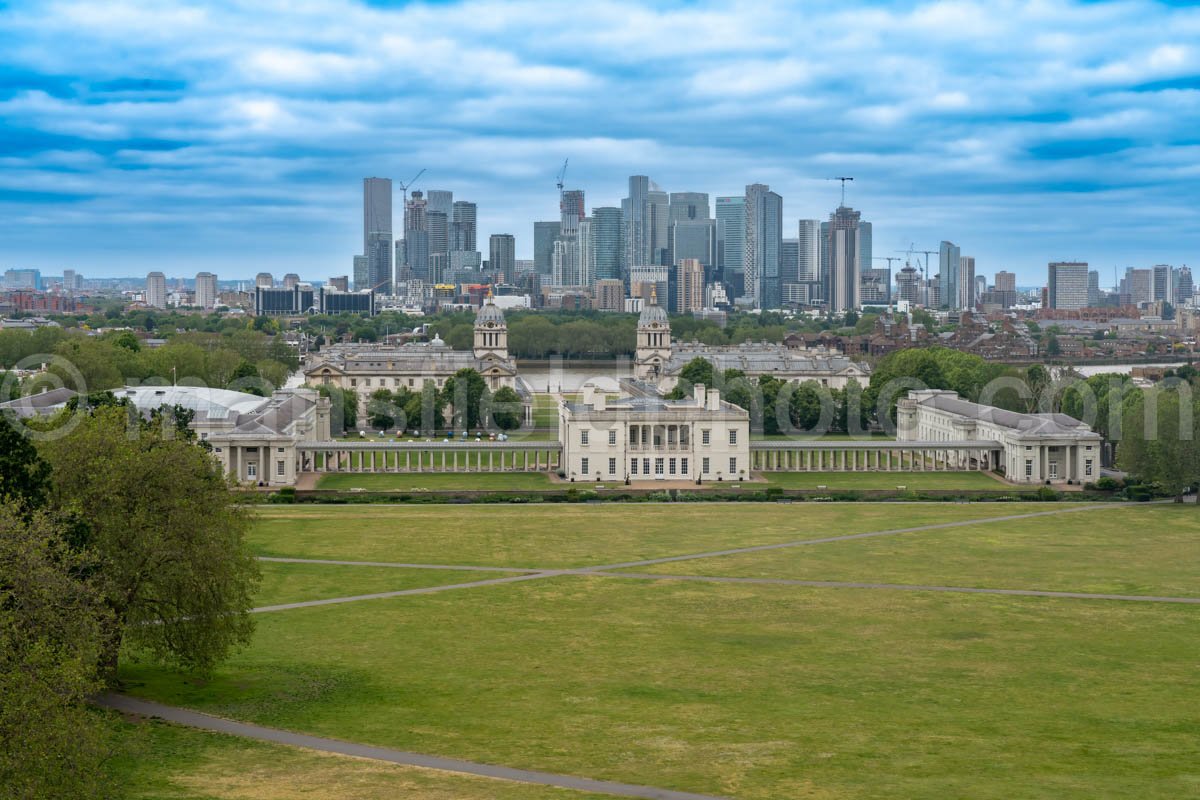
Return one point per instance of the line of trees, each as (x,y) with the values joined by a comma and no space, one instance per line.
(118,534)
(472,404)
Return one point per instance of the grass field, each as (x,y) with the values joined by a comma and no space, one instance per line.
(916,481)
(574,535)
(432,481)
(292,583)
(176,763)
(752,691)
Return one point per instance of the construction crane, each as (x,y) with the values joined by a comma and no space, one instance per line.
(888,259)
(404,186)
(843,180)
(562,174)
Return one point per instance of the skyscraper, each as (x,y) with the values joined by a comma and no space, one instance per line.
(360,273)
(949,267)
(633,227)
(502,256)
(658,226)
(731,243)
(264,280)
(689,285)
(1093,289)
(1067,284)
(966,283)
(606,242)
(156,290)
(842,255)
(463,226)
(866,250)
(571,210)
(416,238)
(764,237)
(688,207)
(544,234)
(1164,283)
(206,289)
(808,264)
(789,261)
(377,231)
(291,280)
(694,239)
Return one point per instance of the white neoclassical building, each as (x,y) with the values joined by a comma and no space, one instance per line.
(1031,448)
(365,368)
(658,360)
(654,439)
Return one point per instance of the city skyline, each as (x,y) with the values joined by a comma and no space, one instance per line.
(1028,134)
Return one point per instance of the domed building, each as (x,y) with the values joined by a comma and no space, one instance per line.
(653,342)
(367,367)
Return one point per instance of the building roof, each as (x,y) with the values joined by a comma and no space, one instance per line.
(652,312)
(762,359)
(207,403)
(1039,424)
(489,312)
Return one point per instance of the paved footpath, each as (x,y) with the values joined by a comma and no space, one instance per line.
(195,719)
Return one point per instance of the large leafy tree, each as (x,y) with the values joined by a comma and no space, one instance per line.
(24,477)
(506,408)
(51,636)
(166,537)
(467,393)
(1158,444)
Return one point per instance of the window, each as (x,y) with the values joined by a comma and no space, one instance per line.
(671,466)
(1053,469)
(705,436)
(683,466)
(280,468)
(733,466)
(658,466)
(583,466)
(354,381)
(583,438)
(646,466)
(704,466)
(1028,468)
(410,382)
(366,381)
(1087,467)
(633,466)
(278,449)
(1028,447)
(251,470)
(612,437)
(218,449)
(733,437)
(612,466)
(204,435)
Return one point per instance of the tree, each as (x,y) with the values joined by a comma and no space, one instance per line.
(51,636)
(343,407)
(1160,446)
(465,392)
(698,370)
(381,410)
(24,477)
(1053,348)
(506,408)
(166,535)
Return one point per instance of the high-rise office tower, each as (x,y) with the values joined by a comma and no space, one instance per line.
(1006,281)
(731,243)
(688,207)
(586,243)
(694,239)
(565,265)
(980,286)
(633,224)
(439,213)
(377,231)
(689,285)
(1137,286)
(416,238)
(866,250)
(463,226)
(70,281)
(606,242)
(658,224)
(908,285)
(206,289)
(340,283)
(439,233)
(949,267)
(571,210)
(156,290)
(264,280)
(842,258)
(291,280)
(808,264)
(763,240)
(502,256)
(966,283)
(789,261)
(1164,283)
(360,273)
(544,235)
(1066,284)
(1093,289)
(1184,288)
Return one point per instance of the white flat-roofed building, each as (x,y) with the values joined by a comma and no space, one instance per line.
(1031,448)
(649,438)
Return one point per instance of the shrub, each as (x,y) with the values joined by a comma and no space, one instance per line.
(1045,494)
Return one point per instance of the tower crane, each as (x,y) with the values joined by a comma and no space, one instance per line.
(843,180)
(404,187)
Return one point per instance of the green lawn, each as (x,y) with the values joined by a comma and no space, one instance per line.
(1137,550)
(754,692)
(174,763)
(916,481)
(576,535)
(416,481)
(292,583)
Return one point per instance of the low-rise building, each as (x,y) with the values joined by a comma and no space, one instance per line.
(1029,448)
(649,438)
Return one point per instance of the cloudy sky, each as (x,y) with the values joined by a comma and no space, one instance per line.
(233,136)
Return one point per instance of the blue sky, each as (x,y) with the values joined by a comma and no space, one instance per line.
(233,136)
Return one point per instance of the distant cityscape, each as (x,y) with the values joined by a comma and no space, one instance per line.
(684,251)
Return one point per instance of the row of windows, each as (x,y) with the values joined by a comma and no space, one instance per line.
(382,382)
(705,437)
(667,464)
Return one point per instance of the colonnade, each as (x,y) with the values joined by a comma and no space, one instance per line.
(773,457)
(327,457)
